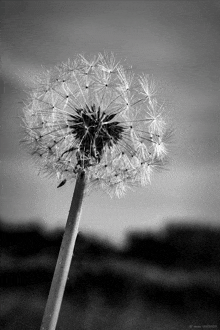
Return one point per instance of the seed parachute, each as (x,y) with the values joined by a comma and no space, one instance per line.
(96,116)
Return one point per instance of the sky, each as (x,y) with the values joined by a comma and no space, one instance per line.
(178,42)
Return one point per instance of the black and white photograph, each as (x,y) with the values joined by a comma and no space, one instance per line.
(110,165)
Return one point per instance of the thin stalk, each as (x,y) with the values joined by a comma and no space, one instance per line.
(57,288)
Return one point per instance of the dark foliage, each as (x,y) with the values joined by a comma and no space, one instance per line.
(184,246)
(175,272)
(27,241)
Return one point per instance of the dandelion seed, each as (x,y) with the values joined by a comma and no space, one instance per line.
(84,114)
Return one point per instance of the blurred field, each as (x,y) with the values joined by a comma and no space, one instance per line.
(166,281)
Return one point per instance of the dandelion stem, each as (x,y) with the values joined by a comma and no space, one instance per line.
(55,297)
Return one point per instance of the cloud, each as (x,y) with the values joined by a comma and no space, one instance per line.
(20,72)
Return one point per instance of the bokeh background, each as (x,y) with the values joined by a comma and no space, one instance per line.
(176,41)
(165,274)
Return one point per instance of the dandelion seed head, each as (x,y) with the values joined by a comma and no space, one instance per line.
(96,116)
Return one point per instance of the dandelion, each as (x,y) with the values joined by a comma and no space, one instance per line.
(95,122)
